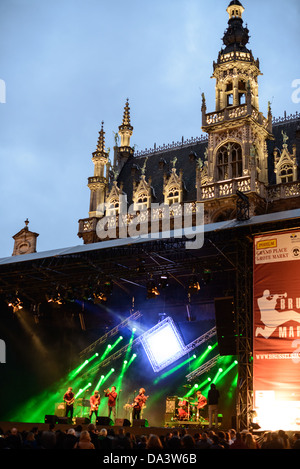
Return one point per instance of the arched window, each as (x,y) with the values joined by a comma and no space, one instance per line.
(113,207)
(142,201)
(286,173)
(173,196)
(229,161)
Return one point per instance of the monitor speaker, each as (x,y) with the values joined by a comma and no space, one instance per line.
(104,421)
(64,420)
(122,423)
(82,421)
(50,419)
(140,423)
(225,325)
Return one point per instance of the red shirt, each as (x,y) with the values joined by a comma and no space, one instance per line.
(112,396)
(68,396)
(201,402)
(139,400)
(95,401)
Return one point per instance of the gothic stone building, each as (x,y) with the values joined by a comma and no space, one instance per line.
(242,153)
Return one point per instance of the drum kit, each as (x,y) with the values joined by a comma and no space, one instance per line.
(188,410)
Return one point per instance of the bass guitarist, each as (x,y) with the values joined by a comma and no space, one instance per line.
(69,398)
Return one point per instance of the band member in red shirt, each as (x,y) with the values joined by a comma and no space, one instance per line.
(112,398)
(69,398)
(94,402)
(202,402)
(138,404)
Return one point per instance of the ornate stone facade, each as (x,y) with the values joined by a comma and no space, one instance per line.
(242,152)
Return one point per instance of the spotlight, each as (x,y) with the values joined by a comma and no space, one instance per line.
(152,290)
(55,297)
(194,286)
(102,292)
(15,303)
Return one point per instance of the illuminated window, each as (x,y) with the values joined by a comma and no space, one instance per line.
(113,207)
(229,161)
(142,201)
(173,196)
(286,173)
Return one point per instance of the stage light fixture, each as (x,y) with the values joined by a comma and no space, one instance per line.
(207,276)
(15,303)
(152,290)
(193,286)
(163,344)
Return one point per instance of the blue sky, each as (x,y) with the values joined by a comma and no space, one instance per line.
(69,64)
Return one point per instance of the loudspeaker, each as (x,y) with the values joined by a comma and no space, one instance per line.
(104,421)
(82,421)
(140,423)
(225,325)
(51,419)
(65,420)
(122,423)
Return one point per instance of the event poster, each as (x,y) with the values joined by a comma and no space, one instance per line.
(276,330)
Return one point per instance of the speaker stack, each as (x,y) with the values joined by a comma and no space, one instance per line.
(225,325)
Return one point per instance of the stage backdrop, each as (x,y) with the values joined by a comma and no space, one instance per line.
(276,330)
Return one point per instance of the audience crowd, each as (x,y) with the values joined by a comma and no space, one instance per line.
(111,439)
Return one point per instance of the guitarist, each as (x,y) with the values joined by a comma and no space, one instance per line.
(69,399)
(139,402)
(94,402)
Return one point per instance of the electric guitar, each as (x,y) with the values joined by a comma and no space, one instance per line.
(70,402)
(96,405)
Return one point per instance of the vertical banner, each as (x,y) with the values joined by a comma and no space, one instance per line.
(276,330)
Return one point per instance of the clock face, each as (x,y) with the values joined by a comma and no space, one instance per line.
(23,247)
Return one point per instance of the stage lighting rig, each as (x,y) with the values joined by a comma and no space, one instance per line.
(55,297)
(193,286)
(15,302)
(152,290)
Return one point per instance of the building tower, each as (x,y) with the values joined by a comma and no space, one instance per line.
(25,241)
(99,182)
(237,156)
(125,151)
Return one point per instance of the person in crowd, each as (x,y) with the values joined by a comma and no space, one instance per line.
(154,443)
(84,441)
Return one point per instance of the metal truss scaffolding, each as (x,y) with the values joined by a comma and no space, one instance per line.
(244,332)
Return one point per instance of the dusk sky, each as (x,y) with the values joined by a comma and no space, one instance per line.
(69,64)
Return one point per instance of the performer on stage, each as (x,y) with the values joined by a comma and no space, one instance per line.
(139,402)
(202,402)
(112,398)
(94,402)
(69,398)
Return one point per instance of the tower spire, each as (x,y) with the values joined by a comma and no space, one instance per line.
(99,182)
(125,129)
(100,150)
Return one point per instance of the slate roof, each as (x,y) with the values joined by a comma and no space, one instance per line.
(132,168)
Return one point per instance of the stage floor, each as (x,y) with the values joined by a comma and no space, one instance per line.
(190,427)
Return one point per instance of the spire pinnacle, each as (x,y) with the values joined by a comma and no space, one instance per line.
(125,129)
(100,150)
(126,125)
